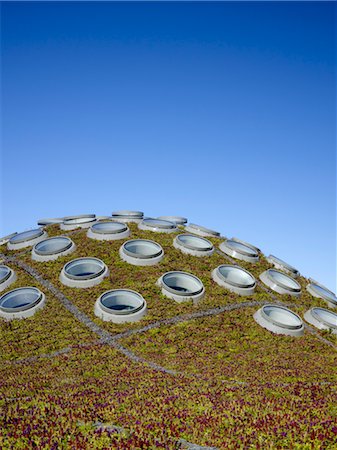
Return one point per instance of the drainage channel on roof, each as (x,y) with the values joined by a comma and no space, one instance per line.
(238,250)
(235,279)
(120,305)
(282,265)
(322,319)
(319,291)
(81,221)
(175,219)
(127,216)
(141,252)
(21,303)
(279,320)
(50,221)
(181,286)
(108,231)
(280,282)
(26,239)
(157,225)
(201,231)
(7,277)
(193,245)
(83,272)
(52,248)
(5,239)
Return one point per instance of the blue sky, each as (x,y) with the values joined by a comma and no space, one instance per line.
(223,112)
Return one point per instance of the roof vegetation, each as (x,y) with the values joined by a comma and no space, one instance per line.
(202,372)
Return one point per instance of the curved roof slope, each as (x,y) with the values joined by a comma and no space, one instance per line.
(190,371)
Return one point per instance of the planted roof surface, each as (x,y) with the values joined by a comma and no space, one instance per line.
(203,372)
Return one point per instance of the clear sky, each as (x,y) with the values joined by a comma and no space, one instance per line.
(223,112)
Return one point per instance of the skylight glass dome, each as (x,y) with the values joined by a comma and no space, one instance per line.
(257,250)
(127,216)
(175,219)
(280,282)
(282,265)
(26,239)
(181,286)
(108,231)
(141,252)
(120,305)
(322,319)
(7,277)
(157,225)
(279,320)
(193,245)
(21,303)
(103,218)
(52,248)
(319,291)
(80,221)
(201,231)
(4,273)
(5,239)
(84,272)
(238,250)
(50,221)
(235,279)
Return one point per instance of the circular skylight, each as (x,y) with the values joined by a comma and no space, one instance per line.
(127,216)
(181,282)
(83,272)
(50,221)
(109,227)
(21,302)
(7,277)
(103,217)
(141,252)
(326,316)
(120,305)
(320,291)
(52,248)
(26,236)
(201,231)
(175,219)
(53,245)
(193,245)
(80,221)
(26,239)
(279,320)
(157,225)
(127,213)
(181,286)
(7,238)
(108,231)
(236,276)
(322,318)
(235,279)
(5,273)
(281,316)
(239,251)
(280,282)
(257,250)
(282,265)
(84,268)
(80,217)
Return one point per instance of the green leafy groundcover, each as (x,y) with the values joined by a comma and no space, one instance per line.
(237,386)
(54,405)
(50,329)
(232,346)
